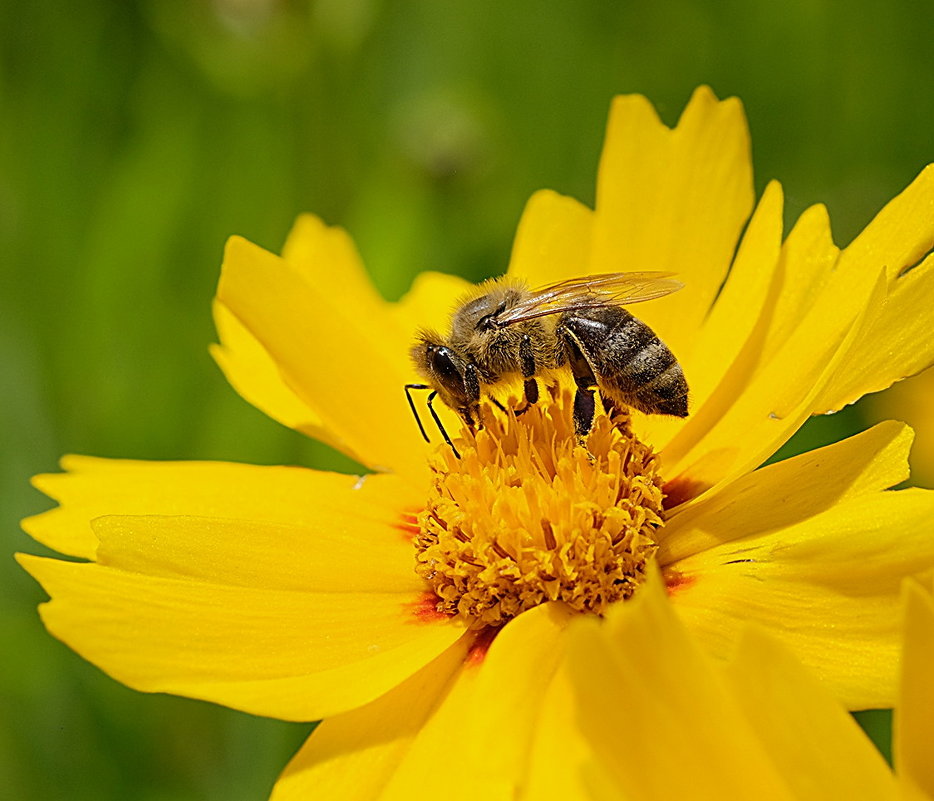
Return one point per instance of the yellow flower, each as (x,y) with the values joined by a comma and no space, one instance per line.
(758,726)
(422,609)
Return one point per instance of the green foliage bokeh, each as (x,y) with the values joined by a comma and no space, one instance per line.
(135,137)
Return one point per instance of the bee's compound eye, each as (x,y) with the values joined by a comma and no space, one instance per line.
(443,366)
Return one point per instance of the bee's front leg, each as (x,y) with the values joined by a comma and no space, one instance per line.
(441,428)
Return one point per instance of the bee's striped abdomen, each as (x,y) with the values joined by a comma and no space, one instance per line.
(629,362)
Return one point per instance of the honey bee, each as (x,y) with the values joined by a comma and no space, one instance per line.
(510,331)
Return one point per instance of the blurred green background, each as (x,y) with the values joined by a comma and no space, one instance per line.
(136,136)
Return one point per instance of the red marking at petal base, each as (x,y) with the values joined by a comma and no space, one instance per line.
(481,645)
(681,489)
(408,525)
(425,609)
(675,581)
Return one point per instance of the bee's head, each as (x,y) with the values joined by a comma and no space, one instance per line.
(443,368)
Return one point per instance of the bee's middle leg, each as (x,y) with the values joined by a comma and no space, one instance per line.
(530,385)
(586,381)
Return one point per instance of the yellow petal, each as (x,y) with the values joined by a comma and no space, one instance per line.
(796,339)
(808,256)
(914,716)
(345,359)
(827,587)
(673,200)
(729,328)
(758,722)
(436,729)
(893,344)
(815,744)
(895,340)
(727,348)
(790,491)
(779,396)
(499,705)
(561,764)
(340,553)
(429,303)
(553,240)
(327,258)
(287,654)
(899,235)
(788,350)
(857,327)
(515,676)
(352,756)
(291,495)
(251,371)
(658,717)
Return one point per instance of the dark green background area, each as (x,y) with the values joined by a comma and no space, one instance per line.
(135,137)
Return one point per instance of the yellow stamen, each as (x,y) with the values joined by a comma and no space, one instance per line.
(529,515)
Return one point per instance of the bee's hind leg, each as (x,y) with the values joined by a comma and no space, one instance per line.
(584,408)
(530,386)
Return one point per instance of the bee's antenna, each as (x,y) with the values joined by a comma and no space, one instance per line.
(408,394)
(437,420)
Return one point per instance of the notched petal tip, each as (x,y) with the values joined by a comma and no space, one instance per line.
(634,105)
(704,103)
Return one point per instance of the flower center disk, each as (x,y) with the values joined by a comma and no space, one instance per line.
(528,514)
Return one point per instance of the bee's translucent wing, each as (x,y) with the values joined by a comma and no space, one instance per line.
(590,292)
